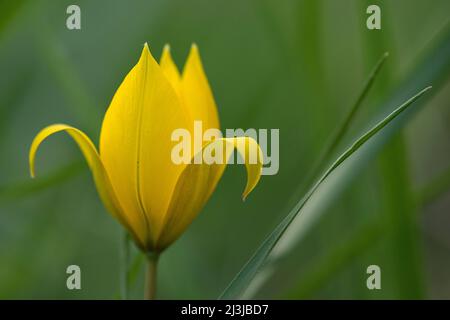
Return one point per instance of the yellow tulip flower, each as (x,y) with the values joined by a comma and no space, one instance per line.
(153,198)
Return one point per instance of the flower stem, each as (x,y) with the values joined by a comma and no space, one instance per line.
(150,281)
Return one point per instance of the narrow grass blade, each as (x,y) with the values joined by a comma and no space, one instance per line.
(247,273)
(339,134)
(337,137)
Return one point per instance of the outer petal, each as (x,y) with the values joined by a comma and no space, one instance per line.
(99,173)
(197,93)
(197,183)
(135,143)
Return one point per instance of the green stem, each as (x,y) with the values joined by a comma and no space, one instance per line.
(150,281)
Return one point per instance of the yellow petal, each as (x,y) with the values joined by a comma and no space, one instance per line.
(170,69)
(99,173)
(135,143)
(197,93)
(198,181)
(173,75)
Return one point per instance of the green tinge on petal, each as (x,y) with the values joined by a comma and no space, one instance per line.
(95,164)
(198,181)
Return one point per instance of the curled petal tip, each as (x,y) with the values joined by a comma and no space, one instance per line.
(166,47)
(31,157)
(246,192)
(32,173)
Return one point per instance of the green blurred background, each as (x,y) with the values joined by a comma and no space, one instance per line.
(293,65)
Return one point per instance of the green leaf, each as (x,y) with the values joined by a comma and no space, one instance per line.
(248,272)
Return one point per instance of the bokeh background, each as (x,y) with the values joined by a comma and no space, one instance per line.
(296,65)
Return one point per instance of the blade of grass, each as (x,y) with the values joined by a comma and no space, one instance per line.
(247,273)
(339,134)
(342,130)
